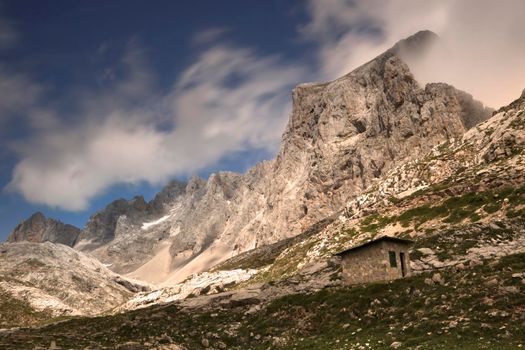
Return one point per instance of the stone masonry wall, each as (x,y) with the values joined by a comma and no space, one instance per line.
(372,263)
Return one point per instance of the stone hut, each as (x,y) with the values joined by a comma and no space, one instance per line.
(382,259)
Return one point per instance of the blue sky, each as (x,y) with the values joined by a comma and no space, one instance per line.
(108,99)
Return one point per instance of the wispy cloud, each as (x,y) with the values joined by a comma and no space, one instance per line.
(209,35)
(229,100)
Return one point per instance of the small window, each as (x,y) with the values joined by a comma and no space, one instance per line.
(393,261)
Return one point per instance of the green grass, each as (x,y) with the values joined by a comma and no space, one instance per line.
(15,312)
(451,211)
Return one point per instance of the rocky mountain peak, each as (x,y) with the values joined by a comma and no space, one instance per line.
(36,217)
(516,104)
(341,137)
(416,44)
(168,195)
(194,184)
(38,229)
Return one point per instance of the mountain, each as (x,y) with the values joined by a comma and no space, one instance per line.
(462,201)
(341,137)
(463,204)
(58,280)
(367,155)
(39,229)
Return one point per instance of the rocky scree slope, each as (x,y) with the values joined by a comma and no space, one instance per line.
(341,137)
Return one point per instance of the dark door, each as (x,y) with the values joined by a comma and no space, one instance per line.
(403,267)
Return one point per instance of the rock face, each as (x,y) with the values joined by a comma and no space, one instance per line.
(341,137)
(491,150)
(113,220)
(38,229)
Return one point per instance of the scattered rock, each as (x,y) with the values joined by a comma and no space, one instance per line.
(437,279)
(169,347)
(314,268)
(130,345)
(492,282)
(509,289)
(460,267)
(475,262)
(279,341)
(426,251)
(396,345)
(245,297)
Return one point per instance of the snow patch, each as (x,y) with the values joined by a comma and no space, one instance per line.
(193,285)
(147,225)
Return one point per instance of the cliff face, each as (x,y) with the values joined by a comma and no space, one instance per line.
(341,136)
(39,229)
(344,134)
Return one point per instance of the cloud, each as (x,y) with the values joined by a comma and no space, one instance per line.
(209,35)
(481,50)
(18,94)
(231,99)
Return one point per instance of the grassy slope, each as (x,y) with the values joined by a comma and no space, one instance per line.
(15,312)
(467,312)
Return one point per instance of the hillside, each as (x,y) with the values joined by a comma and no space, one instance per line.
(47,279)
(477,307)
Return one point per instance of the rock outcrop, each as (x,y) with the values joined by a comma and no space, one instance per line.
(60,280)
(38,229)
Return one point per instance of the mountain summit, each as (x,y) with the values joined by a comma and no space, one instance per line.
(342,136)
(39,229)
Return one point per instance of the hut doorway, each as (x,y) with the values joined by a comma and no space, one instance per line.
(403,267)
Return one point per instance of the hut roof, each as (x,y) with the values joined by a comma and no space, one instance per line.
(374,241)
